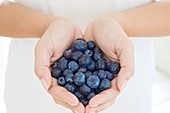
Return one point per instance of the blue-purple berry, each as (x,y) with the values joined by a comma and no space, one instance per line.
(73,66)
(93,81)
(105,84)
(61,81)
(79,79)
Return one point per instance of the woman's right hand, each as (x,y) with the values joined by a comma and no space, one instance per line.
(56,39)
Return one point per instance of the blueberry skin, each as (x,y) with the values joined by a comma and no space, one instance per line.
(87,74)
(97,91)
(56,73)
(91,95)
(69,78)
(76,55)
(91,45)
(101,74)
(82,69)
(67,53)
(54,65)
(105,84)
(101,64)
(84,102)
(62,64)
(84,61)
(92,66)
(97,56)
(97,50)
(79,79)
(84,89)
(71,87)
(80,45)
(113,67)
(61,81)
(88,53)
(95,72)
(67,71)
(78,95)
(73,66)
(93,81)
(109,75)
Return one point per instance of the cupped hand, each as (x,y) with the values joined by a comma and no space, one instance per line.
(56,39)
(114,42)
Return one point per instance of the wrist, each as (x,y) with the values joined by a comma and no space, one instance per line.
(46,22)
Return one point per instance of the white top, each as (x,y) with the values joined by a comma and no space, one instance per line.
(23,91)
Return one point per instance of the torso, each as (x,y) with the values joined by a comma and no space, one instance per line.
(23,91)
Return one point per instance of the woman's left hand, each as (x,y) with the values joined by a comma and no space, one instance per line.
(111,38)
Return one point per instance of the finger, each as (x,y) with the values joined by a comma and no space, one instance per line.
(100,107)
(105,96)
(42,62)
(88,35)
(62,94)
(79,33)
(126,57)
(75,109)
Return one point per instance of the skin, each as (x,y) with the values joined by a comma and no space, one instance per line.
(58,33)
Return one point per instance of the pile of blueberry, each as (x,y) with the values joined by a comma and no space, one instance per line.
(84,71)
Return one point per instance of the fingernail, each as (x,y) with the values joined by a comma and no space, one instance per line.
(123,85)
(44,83)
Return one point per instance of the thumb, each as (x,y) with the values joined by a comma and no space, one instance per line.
(42,66)
(126,57)
(88,35)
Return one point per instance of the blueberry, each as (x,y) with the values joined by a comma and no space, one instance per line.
(95,72)
(91,44)
(76,55)
(79,78)
(87,74)
(92,66)
(54,65)
(109,75)
(84,102)
(80,45)
(84,89)
(82,69)
(101,74)
(69,78)
(73,66)
(61,81)
(67,71)
(84,61)
(93,81)
(105,84)
(70,87)
(113,67)
(88,53)
(56,73)
(97,56)
(62,64)
(91,95)
(97,91)
(67,53)
(97,50)
(78,95)
(101,64)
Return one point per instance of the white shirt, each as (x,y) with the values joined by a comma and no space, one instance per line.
(23,91)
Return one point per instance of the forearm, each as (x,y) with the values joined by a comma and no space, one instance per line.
(19,21)
(148,20)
